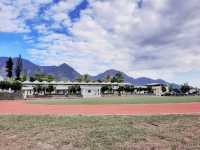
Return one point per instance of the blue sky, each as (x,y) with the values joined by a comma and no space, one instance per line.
(152,38)
(12,44)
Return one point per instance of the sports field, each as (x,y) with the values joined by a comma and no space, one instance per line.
(101,124)
(99,133)
(120,100)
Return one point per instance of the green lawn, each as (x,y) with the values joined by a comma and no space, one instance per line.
(99,133)
(120,100)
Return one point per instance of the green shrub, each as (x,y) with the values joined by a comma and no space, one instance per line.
(5,85)
(14,85)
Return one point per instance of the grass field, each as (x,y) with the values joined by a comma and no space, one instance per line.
(121,100)
(99,133)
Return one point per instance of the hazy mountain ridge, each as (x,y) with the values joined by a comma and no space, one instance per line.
(135,81)
(66,72)
(61,72)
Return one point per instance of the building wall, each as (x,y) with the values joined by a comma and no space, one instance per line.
(91,91)
(157,90)
(86,90)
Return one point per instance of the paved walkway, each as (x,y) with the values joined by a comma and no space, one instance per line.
(22,108)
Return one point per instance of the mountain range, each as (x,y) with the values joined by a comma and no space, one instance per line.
(66,72)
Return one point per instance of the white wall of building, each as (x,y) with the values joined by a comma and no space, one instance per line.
(90,91)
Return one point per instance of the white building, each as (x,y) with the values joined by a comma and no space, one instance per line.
(158,88)
(91,89)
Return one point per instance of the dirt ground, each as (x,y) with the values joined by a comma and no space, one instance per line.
(23,108)
(61,130)
(100,133)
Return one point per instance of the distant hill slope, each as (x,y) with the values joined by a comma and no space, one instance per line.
(128,79)
(62,72)
(112,73)
(66,72)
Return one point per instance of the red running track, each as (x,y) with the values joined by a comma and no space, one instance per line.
(23,108)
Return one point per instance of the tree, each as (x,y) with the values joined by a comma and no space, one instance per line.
(129,88)
(108,78)
(42,77)
(164,89)
(5,85)
(19,67)
(24,76)
(83,78)
(9,67)
(132,89)
(32,79)
(185,88)
(38,89)
(120,90)
(171,88)
(79,78)
(118,78)
(16,86)
(149,90)
(74,90)
(106,88)
(50,89)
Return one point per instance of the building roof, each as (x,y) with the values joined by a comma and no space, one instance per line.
(155,84)
(45,82)
(36,82)
(26,82)
(71,83)
(143,87)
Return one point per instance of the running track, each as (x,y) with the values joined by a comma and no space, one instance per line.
(22,108)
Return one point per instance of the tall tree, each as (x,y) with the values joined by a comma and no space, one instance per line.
(19,67)
(9,67)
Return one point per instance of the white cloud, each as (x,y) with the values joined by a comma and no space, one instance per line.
(14,14)
(9,21)
(117,34)
(157,40)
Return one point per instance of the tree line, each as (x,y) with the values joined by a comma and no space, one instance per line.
(118,77)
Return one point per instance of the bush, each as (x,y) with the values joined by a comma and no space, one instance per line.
(5,85)
(15,85)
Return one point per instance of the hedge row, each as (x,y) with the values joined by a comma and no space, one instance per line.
(13,85)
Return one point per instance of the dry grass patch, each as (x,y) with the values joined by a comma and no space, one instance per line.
(99,133)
